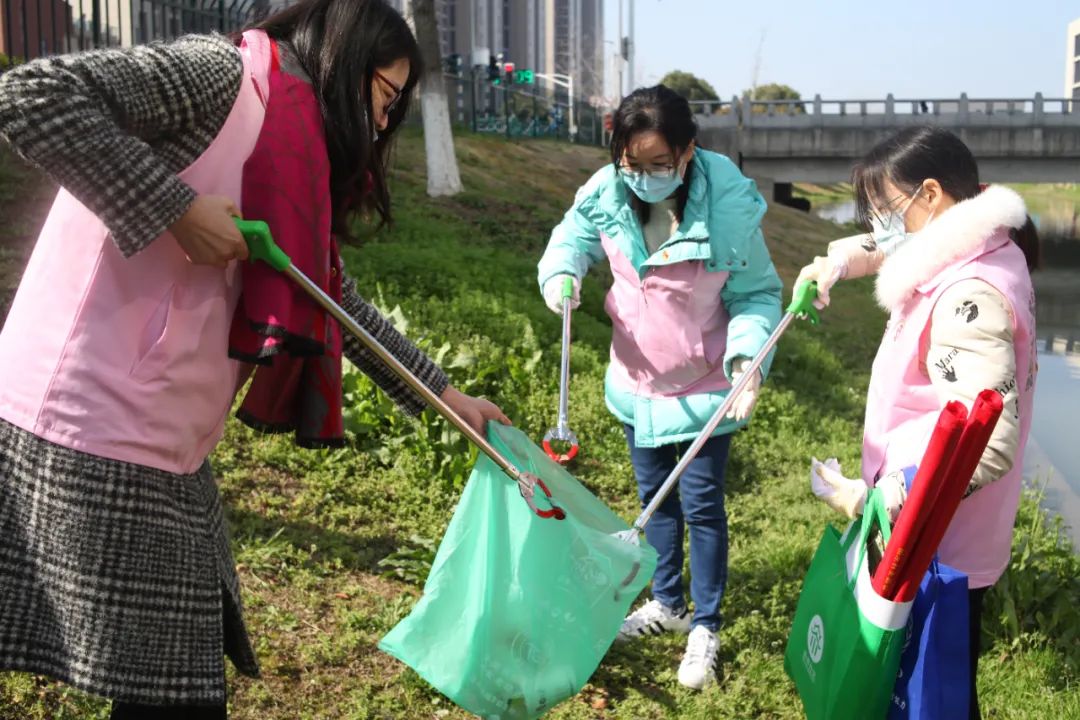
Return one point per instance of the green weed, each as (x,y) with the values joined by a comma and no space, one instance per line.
(332,545)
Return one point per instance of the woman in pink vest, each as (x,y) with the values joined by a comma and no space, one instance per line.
(120,355)
(952,260)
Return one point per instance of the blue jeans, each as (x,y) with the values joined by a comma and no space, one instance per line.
(697,502)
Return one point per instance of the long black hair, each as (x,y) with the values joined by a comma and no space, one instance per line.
(661,109)
(340,44)
(916,154)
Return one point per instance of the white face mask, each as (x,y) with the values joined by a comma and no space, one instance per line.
(889,231)
(653,187)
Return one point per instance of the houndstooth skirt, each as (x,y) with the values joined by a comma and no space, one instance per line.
(115,578)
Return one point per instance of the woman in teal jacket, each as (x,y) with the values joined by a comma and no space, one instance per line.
(695,296)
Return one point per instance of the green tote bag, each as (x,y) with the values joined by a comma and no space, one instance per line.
(845,644)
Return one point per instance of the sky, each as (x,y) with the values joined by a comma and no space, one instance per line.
(853,50)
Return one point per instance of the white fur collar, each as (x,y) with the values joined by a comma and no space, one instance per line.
(958,233)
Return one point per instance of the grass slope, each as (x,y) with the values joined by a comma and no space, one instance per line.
(310,528)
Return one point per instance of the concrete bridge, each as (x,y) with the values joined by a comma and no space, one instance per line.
(1014,140)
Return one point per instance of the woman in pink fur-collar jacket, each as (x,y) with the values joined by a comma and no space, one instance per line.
(952,259)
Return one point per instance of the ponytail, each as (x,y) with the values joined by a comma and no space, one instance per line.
(1026,238)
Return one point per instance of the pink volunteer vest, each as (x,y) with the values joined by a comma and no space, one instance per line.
(902,407)
(671,343)
(127,358)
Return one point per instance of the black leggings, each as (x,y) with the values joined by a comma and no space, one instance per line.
(975,603)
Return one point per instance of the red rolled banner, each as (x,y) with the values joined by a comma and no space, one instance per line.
(924,491)
(980,425)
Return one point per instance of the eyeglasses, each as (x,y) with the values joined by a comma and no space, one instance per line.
(398,92)
(656,171)
(880,216)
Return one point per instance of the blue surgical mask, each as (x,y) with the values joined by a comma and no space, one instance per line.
(652,188)
(889,231)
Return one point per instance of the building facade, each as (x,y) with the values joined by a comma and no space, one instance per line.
(1072,62)
(548,36)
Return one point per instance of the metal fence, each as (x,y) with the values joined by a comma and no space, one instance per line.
(520,111)
(745,111)
(34,28)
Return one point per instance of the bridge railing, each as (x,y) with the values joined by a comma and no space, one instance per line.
(719,111)
(889,111)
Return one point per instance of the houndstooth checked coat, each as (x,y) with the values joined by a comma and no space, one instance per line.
(114,577)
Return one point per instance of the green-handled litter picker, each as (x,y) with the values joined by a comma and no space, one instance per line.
(261,247)
(562,589)
(802,306)
(561,432)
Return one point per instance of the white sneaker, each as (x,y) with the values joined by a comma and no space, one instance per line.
(652,618)
(698,667)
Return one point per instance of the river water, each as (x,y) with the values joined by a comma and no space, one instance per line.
(1053,454)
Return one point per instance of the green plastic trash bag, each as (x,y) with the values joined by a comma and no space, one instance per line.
(518,610)
(846,640)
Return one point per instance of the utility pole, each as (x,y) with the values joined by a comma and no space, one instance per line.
(566,82)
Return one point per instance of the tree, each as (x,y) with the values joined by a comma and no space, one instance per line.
(689,86)
(776,92)
(443,177)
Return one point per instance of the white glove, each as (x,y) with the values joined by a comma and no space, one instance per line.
(848,496)
(553,293)
(746,400)
(826,271)
(893,492)
(840,493)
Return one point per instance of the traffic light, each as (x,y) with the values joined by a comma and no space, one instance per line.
(452,64)
(508,70)
(524,77)
(494,76)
